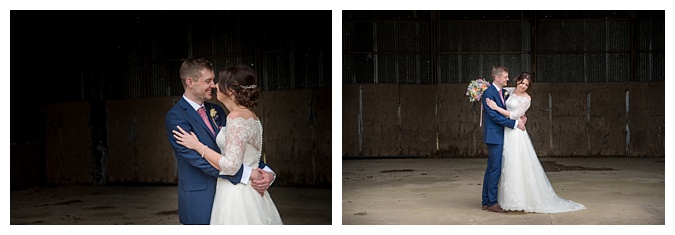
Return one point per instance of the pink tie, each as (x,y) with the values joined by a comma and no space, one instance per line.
(502,95)
(202,113)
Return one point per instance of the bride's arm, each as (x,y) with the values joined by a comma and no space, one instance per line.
(190,141)
(494,106)
(235,146)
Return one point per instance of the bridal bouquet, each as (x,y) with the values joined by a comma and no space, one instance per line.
(476,89)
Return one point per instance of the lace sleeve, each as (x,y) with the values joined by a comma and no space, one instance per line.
(521,108)
(235,145)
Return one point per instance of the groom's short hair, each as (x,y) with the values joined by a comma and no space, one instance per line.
(192,67)
(496,70)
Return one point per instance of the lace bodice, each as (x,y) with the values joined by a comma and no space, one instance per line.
(517,105)
(240,141)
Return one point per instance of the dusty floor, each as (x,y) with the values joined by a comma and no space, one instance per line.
(145,205)
(616,191)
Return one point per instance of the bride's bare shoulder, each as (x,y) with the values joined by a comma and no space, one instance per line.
(242,113)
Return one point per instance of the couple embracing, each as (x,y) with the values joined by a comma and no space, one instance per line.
(221,178)
(514,178)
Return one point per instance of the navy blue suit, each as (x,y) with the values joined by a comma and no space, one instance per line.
(196,177)
(493,136)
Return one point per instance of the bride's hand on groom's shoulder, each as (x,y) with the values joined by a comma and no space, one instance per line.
(491,103)
(189,140)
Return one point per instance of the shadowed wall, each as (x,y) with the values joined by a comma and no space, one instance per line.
(585,119)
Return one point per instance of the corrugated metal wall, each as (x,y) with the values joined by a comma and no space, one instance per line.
(432,47)
(144,50)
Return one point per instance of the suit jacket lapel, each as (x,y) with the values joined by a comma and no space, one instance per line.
(194,115)
(500,95)
(208,107)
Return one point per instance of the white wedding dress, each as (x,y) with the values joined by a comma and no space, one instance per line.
(523,185)
(240,141)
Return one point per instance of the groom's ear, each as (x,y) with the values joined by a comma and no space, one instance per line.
(188,82)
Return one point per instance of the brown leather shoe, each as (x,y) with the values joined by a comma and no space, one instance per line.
(484,208)
(496,208)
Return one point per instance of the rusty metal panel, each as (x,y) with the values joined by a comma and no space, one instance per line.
(138,148)
(381,120)
(321,131)
(351,114)
(418,120)
(646,119)
(459,133)
(565,119)
(68,143)
(605,118)
(291,137)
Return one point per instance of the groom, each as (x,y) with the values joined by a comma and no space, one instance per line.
(493,136)
(196,177)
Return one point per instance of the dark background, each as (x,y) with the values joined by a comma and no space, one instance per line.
(96,59)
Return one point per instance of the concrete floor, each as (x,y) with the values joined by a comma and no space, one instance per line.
(448,192)
(145,205)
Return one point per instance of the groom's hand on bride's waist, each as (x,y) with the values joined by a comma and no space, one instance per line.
(261,185)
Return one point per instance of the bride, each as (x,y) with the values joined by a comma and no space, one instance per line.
(240,141)
(523,185)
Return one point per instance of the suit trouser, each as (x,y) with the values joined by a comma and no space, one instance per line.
(492,174)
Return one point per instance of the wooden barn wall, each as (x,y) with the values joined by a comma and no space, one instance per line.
(297,139)
(138,148)
(297,135)
(68,144)
(583,119)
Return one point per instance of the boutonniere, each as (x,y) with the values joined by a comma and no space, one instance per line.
(213,114)
(506,94)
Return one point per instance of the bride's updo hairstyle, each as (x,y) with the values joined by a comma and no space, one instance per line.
(241,80)
(524,76)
